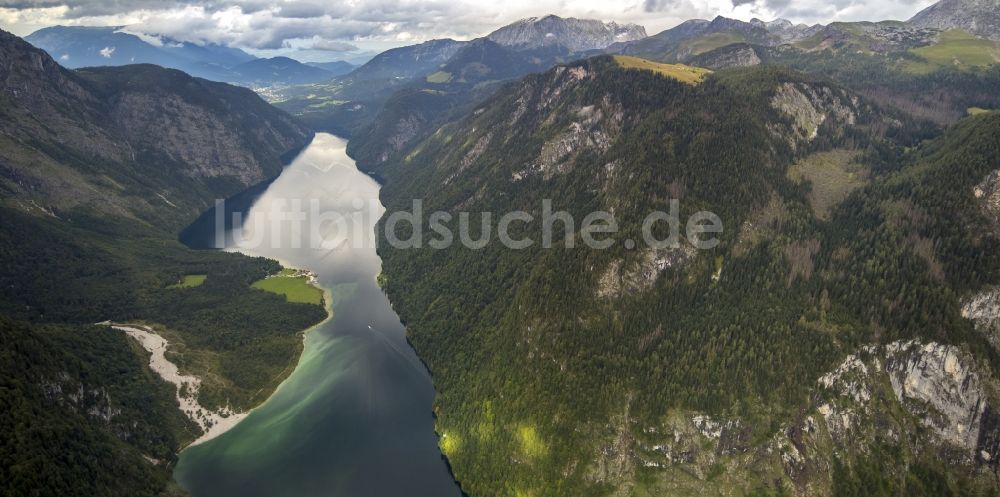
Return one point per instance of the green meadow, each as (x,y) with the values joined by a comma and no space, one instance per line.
(295,288)
(956,49)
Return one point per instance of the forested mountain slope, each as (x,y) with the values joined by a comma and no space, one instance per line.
(683,372)
(99,171)
(131,141)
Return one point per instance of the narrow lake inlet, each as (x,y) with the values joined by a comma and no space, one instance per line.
(355,417)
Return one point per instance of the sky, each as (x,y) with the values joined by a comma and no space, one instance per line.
(317,30)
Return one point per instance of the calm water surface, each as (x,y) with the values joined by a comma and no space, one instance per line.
(354,419)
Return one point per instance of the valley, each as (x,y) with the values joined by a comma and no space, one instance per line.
(838,338)
(355,415)
(95,189)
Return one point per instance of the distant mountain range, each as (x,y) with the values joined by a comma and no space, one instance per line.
(339,97)
(279,70)
(352,102)
(577,35)
(80,46)
(455,70)
(541,39)
(980,18)
(336,68)
(698,36)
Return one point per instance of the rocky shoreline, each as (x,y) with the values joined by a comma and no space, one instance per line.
(212,422)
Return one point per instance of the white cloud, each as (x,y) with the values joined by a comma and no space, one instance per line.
(331,45)
(274,24)
(107,52)
(154,40)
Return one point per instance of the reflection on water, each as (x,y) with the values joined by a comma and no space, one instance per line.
(354,419)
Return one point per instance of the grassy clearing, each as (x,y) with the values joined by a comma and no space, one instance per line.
(975,111)
(685,74)
(190,281)
(833,176)
(293,285)
(955,48)
(439,77)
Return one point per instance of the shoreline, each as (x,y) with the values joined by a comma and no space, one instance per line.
(213,423)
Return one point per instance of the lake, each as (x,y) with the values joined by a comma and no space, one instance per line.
(355,417)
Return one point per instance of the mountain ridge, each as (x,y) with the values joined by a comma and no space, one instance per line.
(94,46)
(980,17)
(279,70)
(575,34)
(82,46)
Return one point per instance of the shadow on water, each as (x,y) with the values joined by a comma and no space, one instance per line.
(354,419)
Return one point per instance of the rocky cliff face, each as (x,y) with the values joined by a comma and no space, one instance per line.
(939,386)
(575,34)
(810,106)
(927,398)
(984,310)
(988,194)
(981,17)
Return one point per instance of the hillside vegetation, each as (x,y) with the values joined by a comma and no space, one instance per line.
(646,372)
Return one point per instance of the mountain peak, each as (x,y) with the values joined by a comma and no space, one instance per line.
(980,17)
(574,34)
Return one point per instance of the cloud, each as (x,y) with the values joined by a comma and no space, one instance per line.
(74,9)
(666,5)
(301,10)
(824,11)
(107,52)
(332,46)
(326,25)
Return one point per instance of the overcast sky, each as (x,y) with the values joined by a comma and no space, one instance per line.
(323,29)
